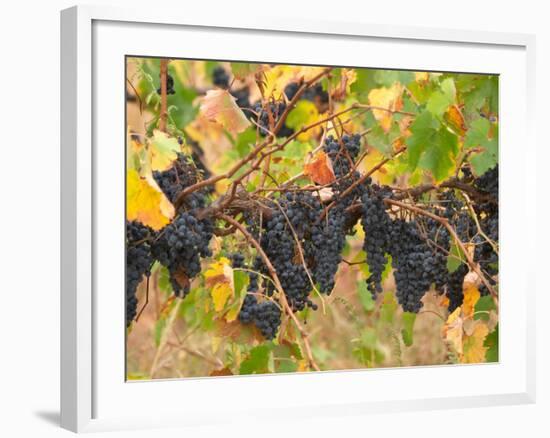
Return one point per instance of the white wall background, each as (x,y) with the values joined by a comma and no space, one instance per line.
(29,215)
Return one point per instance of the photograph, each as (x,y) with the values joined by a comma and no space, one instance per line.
(285,218)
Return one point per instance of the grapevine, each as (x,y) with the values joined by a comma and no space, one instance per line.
(279,195)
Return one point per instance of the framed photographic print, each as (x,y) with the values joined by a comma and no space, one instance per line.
(249,207)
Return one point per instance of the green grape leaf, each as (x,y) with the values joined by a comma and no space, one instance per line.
(387,78)
(378,139)
(287,366)
(240,280)
(364,82)
(408,328)
(245,141)
(242,69)
(454,259)
(365,296)
(483,305)
(481,136)
(304,113)
(388,308)
(440,100)
(257,361)
(491,343)
(431,146)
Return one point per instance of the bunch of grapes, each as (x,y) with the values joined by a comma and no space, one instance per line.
(138,262)
(265,315)
(328,238)
(220,78)
(377,225)
(454,285)
(487,211)
(317,95)
(169,85)
(180,246)
(183,173)
(342,155)
(439,240)
(280,246)
(262,117)
(314,94)
(242,99)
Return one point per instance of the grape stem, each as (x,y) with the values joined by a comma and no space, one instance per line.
(163,94)
(282,297)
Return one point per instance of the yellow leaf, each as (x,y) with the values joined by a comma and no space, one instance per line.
(219,106)
(233,313)
(473,348)
(145,202)
(307,73)
(219,277)
(215,342)
(220,293)
(276,78)
(471,296)
(319,169)
(302,366)
(303,114)
(454,117)
(421,76)
(163,149)
(372,159)
(388,98)
(452,330)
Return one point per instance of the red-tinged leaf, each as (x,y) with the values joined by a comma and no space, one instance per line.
(319,169)
(219,106)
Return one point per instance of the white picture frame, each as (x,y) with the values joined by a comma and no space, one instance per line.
(94,396)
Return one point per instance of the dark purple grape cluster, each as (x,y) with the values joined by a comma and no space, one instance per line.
(180,246)
(265,315)
(220,78)
(376,224)
(317,95)
(262,115)
(328,238)
(454,287)
(183,173)
(279,244)
(248,309)
(487,211)
(342,155)
(138,262)
(237,260)
(413,262)
(242,99)
(169,85)
(314,94)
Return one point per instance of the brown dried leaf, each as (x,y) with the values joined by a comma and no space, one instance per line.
(319,169)
(221,372)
